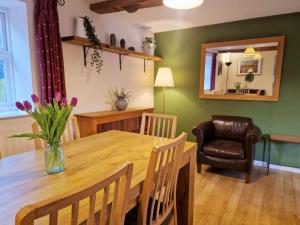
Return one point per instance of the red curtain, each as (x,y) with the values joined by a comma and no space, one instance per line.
(49,49)
(213,72)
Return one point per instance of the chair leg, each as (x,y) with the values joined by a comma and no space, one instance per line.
(174,219)
(248,178)
(199,168)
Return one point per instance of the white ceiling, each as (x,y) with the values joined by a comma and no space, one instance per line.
(159,19)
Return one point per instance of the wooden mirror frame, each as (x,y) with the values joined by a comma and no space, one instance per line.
(279,61)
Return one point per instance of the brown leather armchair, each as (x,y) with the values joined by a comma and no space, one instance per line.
(227,142)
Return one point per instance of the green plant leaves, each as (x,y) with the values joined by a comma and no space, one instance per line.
(90,30)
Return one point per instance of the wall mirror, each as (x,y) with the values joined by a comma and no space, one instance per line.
(242,70)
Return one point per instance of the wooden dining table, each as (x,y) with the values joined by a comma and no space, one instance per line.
(23,179)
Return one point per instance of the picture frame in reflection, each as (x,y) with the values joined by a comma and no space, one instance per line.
(246,66)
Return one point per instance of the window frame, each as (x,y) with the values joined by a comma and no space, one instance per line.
(6,55)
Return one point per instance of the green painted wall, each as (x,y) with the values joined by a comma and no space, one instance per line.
(181,51)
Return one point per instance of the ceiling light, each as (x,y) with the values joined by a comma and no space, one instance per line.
(182,4)
(250,51)
(257,56)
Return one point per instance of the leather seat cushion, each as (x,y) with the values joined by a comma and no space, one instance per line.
(224,149)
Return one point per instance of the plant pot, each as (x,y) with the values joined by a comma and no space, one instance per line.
(121,104)
(54,159)
(149,47)
(79,27)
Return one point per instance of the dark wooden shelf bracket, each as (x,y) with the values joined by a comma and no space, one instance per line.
(85,54)
(121,59)
(145,64)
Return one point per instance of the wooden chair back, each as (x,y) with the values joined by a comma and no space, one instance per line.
(158,196)
(159,125)
(71,132)
(110,214)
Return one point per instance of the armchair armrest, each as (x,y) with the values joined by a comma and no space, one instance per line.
(253,134)
(204,133)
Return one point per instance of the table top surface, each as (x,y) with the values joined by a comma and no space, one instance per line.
(95,115)
(23,179)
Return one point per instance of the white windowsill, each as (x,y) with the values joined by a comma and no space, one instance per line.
(12,114)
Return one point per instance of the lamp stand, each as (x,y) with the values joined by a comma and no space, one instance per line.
(164,99)
(228,64)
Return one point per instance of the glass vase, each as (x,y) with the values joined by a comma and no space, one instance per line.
(54,159)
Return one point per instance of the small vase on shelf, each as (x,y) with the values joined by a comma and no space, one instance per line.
(79,27)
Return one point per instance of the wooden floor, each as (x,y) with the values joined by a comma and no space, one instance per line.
(222,197)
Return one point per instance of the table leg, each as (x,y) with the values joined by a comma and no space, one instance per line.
(269,156)
(264,149)
(185,192)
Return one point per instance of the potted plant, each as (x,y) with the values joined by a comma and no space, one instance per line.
(149,45)
(90,30)
(237,86)
(121,98)
(52,119)
(249,78)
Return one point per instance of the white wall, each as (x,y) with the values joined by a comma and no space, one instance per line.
(91,88)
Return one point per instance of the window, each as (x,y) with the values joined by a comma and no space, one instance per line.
(6,86)
(208,72)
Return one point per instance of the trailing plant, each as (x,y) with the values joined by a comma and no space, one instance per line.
(120,94)
(90,31)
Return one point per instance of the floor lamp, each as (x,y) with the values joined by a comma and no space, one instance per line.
(164,79)
(226,59)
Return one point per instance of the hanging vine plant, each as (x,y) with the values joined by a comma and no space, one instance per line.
(90,31)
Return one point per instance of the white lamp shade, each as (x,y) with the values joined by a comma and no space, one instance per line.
(226,57)
(182,4)
(164,78)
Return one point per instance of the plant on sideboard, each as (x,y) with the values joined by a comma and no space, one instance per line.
(52,119)
(90,30)
(121,98)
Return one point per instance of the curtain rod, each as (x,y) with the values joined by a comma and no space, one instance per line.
(61,2)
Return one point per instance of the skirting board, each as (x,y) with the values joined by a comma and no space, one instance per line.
(277,167)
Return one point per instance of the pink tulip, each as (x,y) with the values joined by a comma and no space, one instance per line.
(58,96)
(74,101)
(64,102)
(34,98)
(20,106)
(27,105)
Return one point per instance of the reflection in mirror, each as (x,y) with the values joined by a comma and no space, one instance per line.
(241,70)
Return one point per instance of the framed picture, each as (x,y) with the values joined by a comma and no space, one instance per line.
(246,66)
(220,68)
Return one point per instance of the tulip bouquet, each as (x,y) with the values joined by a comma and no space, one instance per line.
(52,119)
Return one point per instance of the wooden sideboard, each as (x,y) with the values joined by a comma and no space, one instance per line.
(97,122)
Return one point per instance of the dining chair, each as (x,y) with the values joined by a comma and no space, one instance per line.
(157,203)
(110,214)
(71,132)
(159,125)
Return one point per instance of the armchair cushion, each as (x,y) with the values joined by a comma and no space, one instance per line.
(224,149)
(231,127)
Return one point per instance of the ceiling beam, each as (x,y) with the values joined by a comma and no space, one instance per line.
(131,6)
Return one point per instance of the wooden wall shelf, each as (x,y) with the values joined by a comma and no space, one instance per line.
(86,44)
